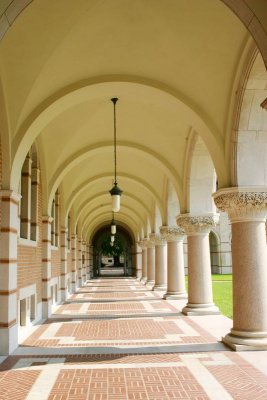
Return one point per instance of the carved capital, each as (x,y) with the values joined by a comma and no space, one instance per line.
(157,239)
(149,244)
(242,203)
(197,224)
(172,233)
(142,244)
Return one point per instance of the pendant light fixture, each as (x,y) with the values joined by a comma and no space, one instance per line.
(115,191)
(112,238)
(113,225)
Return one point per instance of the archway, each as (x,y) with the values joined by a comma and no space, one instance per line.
(114,259)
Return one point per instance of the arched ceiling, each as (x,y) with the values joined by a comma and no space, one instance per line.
(173,64)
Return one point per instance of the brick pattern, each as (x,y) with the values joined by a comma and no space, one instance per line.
(30,258)
(55,263)
(16,384)
(127,384)
(241,379)
(156,376)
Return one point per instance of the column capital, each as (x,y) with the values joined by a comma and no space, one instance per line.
(148,243)
(157,239)
(142,244)
(172,233)
(46,219)
(197,224)
(243,203)
(11,195)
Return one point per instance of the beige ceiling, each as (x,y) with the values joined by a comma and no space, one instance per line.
(175,66)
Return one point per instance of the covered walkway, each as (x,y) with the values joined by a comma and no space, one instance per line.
(116,339)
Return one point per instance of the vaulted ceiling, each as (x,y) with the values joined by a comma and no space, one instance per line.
(175,66)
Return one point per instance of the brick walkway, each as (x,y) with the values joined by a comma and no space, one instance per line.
(115,339)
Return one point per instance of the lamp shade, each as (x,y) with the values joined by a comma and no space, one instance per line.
(116,197)
(112,238)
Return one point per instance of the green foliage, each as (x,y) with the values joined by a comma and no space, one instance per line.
(222,293)
(115,250)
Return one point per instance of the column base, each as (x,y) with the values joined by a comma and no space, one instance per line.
(46,308)
(246,341)
(64,294)
(160,287)
(8,340)
(150,283)
(200,309)
(175,295)
(143,280)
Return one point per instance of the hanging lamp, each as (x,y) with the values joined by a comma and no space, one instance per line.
(115,191)
(113,225)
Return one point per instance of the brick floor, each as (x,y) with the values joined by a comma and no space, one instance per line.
(158,376)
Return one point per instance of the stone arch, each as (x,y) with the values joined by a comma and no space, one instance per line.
(251,147)
(249,15)
(200,178)
(214,240)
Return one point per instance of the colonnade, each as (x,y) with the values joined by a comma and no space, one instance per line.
(163,264)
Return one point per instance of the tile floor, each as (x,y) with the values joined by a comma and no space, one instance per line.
(116,339)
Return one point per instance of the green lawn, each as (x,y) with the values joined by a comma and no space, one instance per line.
(222,293)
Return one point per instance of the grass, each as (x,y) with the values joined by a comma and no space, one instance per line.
(222,293)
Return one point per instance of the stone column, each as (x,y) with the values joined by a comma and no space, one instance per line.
(197,228)
(84,262)
(144,261)
(247,210)
(35,182)
(138,261)
(8,272)
(79,263)
(46,262)
(88,272)
(64,265)
(73,262)
(150,262)
(160,262)
(91,261)
(25,211)
(176,275)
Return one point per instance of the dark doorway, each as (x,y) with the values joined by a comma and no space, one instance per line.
(112,260)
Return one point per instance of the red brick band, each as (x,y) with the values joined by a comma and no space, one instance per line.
(8,324)
(7,292)
(9,230)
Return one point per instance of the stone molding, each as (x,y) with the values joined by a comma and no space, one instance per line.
(142,244)
(264,104)
(157,239)
(172,233)
(243,203)
(149,244)
(197,224)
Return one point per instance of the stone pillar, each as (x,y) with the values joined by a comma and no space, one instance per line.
(150,262)
(247,210)
(138,260)
(79,263)
(176,274)
(91,261)
(73,262)
(8,272)
(88,274)
(144,261)
(25,211)
(84,258)
(35,181)
(46,262)
(64,264)
(197,228)
(160,261)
